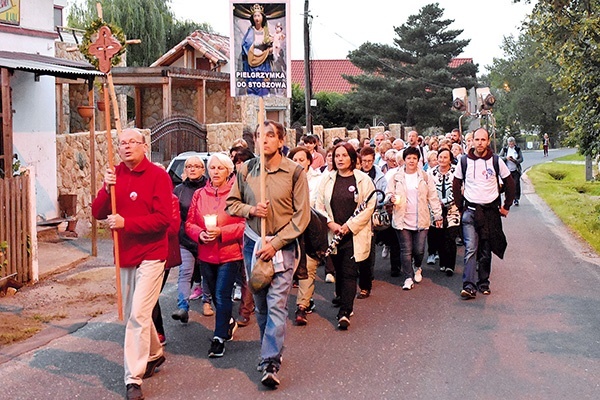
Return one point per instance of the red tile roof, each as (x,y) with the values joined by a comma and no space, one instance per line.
(327,74)
(210,45)
(457,62)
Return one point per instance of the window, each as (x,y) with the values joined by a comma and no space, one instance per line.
(58,16)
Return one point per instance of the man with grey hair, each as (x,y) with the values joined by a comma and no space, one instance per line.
(144,211)
(398,144)
(513,157)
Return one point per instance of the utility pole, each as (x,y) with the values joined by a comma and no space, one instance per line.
(307,82)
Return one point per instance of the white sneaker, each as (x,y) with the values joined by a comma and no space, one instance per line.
(437,257)
(329,278)
(418,275)
(237,293)
(385,252)
(431,259)
(408,284)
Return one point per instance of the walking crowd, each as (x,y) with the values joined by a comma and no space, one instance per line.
(329,207)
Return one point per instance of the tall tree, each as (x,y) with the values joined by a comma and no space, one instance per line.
(569,32)
(526,100)
(412,80)
(149,20)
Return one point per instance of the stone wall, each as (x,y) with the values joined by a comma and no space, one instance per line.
(220,137)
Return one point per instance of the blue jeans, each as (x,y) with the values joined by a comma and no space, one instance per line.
(271,303)
(184,281)
(478,254)
(220,279)
(412,250)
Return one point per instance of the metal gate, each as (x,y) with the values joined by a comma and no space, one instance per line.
(175,135)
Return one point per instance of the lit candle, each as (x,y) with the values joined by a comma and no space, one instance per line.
(210,220)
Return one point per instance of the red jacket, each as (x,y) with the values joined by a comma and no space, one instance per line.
(228,246)
(143,197)
(174,257)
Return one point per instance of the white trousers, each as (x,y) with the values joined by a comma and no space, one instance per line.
(140,288)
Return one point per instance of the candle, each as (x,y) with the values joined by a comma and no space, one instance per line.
(210,220)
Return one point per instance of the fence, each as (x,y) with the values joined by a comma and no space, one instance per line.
(15,230)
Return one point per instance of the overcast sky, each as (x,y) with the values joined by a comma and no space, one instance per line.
(340,26)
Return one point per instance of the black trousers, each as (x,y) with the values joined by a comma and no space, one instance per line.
(346,273)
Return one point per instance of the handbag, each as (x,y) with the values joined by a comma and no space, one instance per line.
(381,219)
(261,275)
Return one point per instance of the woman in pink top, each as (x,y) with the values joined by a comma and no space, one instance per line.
(219,236)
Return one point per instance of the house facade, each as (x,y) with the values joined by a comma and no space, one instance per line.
(29,70)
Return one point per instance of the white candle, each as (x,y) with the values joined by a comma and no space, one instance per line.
(210,220)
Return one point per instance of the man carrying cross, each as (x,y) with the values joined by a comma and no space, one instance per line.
(143,202)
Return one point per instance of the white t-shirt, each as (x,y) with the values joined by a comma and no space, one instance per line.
(412,200)
(481,183)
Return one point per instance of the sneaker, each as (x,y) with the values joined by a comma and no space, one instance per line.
(217,348)
(485,290)
(207,310)
(134,392)
(418,275)
(270,378)
(329,278)
(431,259)
(301,316)
(443,269)
(243,321)
(437,257)
(459,241)
(181,315)
(152,366)
(162,339)
(343,323)
(385,252)
(516,202)
(363,294)
(408,284)
(311,306)
(237,293)
(196,293)
(468,293)
(232,328)
(449,272)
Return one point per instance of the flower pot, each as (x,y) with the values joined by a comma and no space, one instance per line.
(85,111)
(101,106)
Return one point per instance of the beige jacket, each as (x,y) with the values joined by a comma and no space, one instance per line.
(359,225)
(428,199)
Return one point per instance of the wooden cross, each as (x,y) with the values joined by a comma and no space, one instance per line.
(104,48)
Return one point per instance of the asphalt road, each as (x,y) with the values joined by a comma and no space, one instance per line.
(535,337)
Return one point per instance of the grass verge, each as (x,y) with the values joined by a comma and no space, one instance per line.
(576,202)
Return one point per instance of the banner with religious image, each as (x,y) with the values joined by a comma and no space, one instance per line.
(260,48)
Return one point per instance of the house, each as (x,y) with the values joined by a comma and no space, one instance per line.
(327,75)
(29,71)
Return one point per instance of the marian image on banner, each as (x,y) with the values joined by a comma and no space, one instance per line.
(260,50)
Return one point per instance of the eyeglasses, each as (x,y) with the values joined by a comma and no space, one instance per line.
(131,143)
(194,166)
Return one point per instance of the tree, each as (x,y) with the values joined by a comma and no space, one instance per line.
(331,110)
(525,98)
(412,81)
(149,20)
(569,33)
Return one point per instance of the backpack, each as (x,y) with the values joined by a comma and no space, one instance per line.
(495,162)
